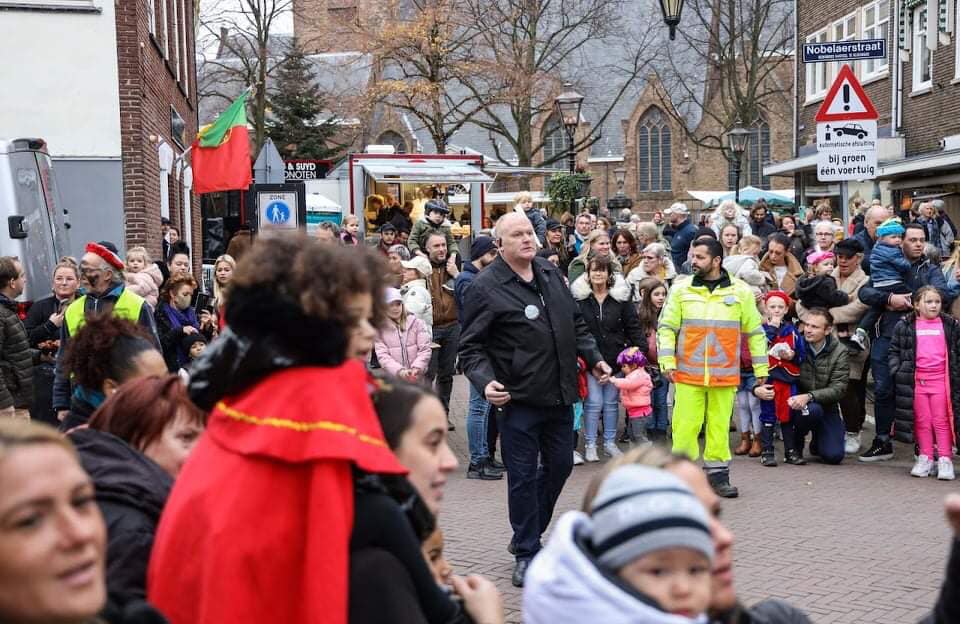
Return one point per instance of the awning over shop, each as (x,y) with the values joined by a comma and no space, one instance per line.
(936,162)
(748,195)
(423,170)
(792,166)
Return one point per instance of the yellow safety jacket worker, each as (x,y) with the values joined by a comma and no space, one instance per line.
(699,332)
(127,307)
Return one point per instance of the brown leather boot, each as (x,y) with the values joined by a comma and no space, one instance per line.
(744,445)
(755,447)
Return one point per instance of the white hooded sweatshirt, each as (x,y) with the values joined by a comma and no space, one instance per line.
(564,586)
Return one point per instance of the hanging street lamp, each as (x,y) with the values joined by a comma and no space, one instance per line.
(671,15)
(567,106)
(737,139)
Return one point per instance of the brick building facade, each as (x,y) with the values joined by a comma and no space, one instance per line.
(915,89)
(158,115)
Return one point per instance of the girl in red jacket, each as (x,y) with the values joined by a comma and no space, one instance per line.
(635,388)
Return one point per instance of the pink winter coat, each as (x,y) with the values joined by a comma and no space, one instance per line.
(409,348)
(634,389)
(146,283)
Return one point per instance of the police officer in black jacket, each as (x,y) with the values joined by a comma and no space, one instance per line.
(522,333)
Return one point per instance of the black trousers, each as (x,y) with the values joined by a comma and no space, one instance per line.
(536,444)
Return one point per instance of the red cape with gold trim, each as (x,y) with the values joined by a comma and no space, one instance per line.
(257,527)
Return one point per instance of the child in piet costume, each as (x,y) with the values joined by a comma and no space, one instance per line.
(787,349)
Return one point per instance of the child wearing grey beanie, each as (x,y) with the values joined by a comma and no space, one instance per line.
(650,530)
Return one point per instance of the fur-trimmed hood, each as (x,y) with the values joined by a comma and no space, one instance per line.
(619,291)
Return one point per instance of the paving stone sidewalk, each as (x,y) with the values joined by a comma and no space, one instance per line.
(854,543)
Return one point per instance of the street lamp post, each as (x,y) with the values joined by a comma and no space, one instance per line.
(737,139)
(567,106)
(620,201)
(671,15)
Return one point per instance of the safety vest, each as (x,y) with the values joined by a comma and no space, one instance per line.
(127,306)
(699,333)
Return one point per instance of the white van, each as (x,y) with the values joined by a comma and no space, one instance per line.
(32,224)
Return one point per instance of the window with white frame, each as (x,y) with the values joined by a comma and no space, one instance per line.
(164,24)
(554,144)
(922,59)
(186,47)
(175,35)
(844,29)
(875,24)
(152,17)
(816,76)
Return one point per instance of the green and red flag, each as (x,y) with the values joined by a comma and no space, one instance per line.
(221,151)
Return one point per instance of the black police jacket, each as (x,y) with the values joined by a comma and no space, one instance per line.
(527,336)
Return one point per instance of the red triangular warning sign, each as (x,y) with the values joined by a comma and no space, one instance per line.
(846,100)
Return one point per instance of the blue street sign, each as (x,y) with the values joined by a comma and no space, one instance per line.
(278,212)
(844,50)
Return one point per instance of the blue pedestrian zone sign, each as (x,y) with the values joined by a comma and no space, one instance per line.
(828,51)
(278,213)
(278,210)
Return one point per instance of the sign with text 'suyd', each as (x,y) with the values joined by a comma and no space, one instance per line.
(846,132)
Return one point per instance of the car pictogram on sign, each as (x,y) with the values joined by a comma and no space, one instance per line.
(851,130)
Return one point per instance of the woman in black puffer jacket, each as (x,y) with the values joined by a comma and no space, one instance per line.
(903,357)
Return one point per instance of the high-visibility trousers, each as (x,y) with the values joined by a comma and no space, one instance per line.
(691,406)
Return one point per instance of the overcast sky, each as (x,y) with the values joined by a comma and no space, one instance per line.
(211,7)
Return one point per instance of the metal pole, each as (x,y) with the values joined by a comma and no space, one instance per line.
(736,171)
(571,156)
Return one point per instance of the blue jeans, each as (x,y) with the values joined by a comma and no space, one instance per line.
(536,443)
(883,401)
(601,401)
(659,420)
(477,411)
(828,430)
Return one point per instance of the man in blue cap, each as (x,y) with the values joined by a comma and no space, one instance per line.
(483,252)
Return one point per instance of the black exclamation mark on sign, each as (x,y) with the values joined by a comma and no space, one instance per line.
(846,97)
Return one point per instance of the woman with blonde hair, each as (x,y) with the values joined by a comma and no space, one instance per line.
(223,268)
(597,242)
(39,542)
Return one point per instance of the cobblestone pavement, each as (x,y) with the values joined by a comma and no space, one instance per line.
(854,543)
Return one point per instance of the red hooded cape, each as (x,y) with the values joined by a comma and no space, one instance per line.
(257,527)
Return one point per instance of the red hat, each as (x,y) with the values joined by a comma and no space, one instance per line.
(110,257)
(778,293)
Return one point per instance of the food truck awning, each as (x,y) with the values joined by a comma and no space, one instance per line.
(422,170)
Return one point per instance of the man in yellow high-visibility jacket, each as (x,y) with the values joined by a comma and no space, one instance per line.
(698,346)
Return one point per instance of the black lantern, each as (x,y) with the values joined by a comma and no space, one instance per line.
(737,139)
(671,15)
(567,106)
(619,201)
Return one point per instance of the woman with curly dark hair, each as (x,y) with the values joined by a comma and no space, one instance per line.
(106,352)
(258,525)
(176,319)
(133,449)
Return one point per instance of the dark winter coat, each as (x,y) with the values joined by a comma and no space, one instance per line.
(16,358)
(763,229)
(614,324)
(38,324)
(947,609)
(820,291)
(131,490)
(170,338)
(680,243)
(534,358)
(798,245)
(825,376)
(903,369)
(863,237)
(770,611)
(923,273)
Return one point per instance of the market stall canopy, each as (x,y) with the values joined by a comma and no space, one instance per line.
(499,198)
(423,170)
(749,195)
(321,203)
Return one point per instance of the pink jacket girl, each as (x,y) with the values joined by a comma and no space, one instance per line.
(403,344)
(636,387)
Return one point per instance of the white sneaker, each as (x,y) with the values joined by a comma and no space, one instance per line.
(577,458)
(945,469)
(611,449)
(851,443)
(590,453)
(923,467)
